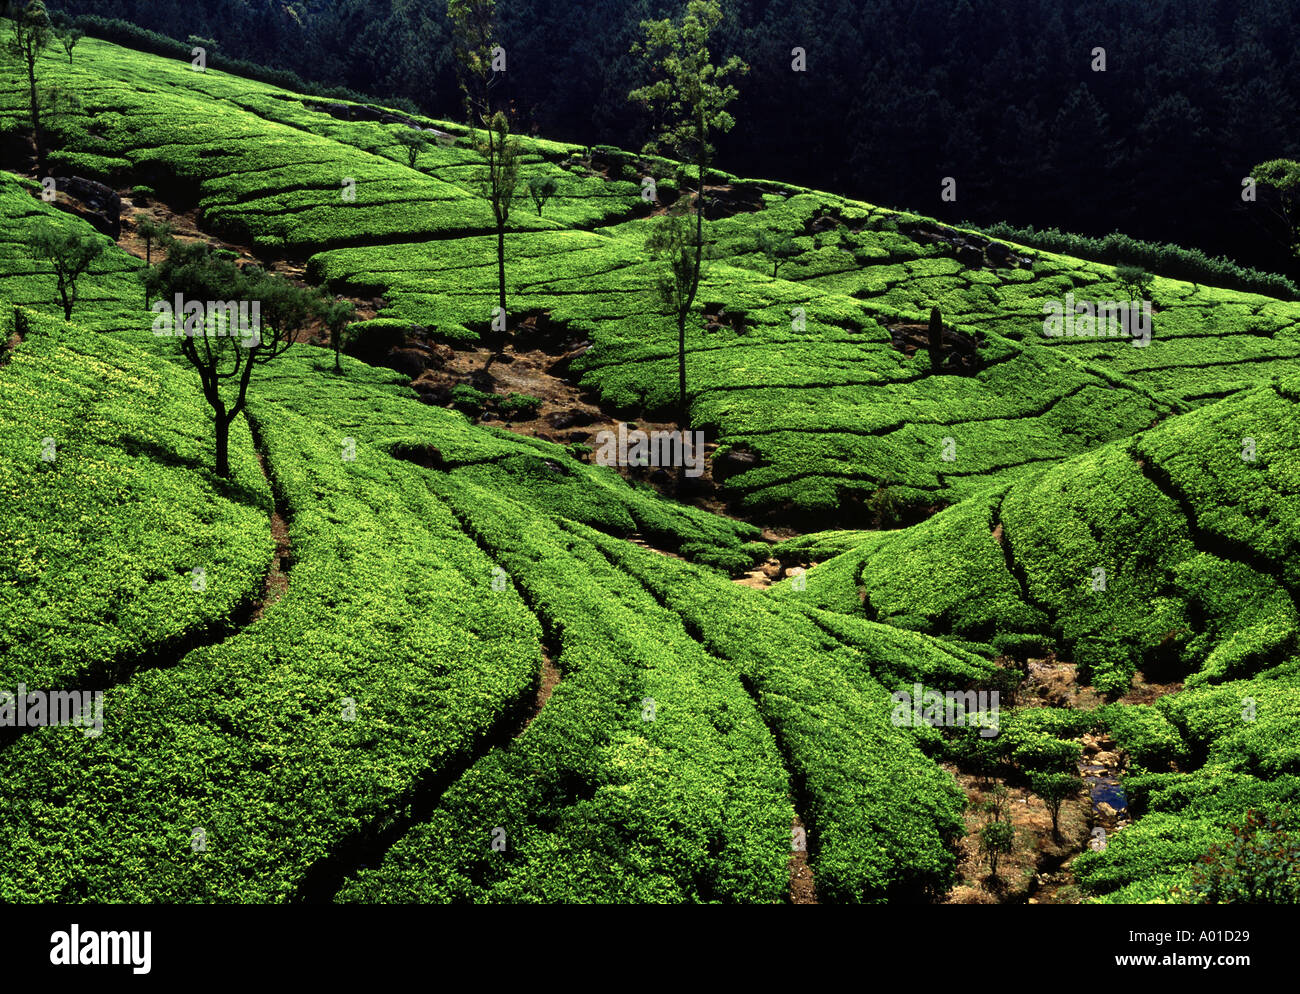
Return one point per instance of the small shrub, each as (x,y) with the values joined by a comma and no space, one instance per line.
(518,405)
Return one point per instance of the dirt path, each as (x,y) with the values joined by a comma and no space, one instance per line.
(803,887)
(277,577)
(550,679)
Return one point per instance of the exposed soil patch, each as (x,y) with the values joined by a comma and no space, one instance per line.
(1144,692)
(1036,857)
(772,571)
(638,540)
(803,888)
(550,678)
(960,350)
(761,576)
(277,577)
(7,349)
(535,361)
(1054,683)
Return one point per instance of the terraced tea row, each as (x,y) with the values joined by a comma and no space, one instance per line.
(1173,551)
(117,546)
(230,775)
(263,168)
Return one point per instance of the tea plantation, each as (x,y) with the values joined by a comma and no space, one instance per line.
(476,687)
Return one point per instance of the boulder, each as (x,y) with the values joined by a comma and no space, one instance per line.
(102,207)
(733,461)
(407,361)
(561,365)
(569,419)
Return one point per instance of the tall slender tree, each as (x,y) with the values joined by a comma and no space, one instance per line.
(674,240)
(688,95)
(30,34)
(68,38)
(498,182)
(480,63)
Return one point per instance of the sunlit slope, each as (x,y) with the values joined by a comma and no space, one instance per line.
(264,765)
(1176,551)
(807,379)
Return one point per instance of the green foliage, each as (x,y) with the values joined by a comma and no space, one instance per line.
(677,244)
(1282,176)
(1055,788)
(541,189)
(1035,752)
(68,38)
(70,254)
(778,247)
(832,720)
(689,92)
(1171,261)
(470,399)
(649,776)
(106,512)
(1143,732)
(251,736)
(225,341)
(336,314)
(519,405)
(152,233)
(373,339)
(412,142)
(1135,280)
(473,37)
(1259,865)
(763,702)
(997,836)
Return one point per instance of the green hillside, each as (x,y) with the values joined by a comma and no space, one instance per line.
(384,729)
